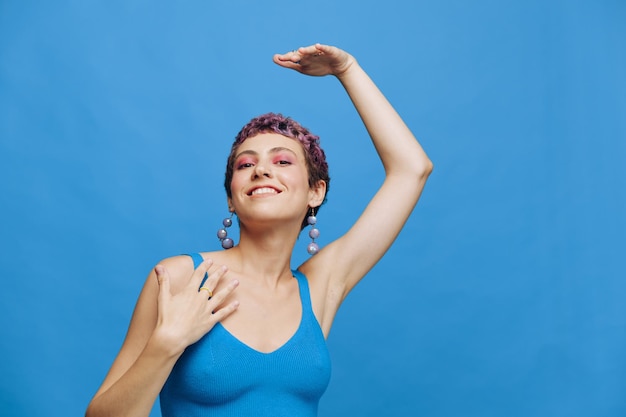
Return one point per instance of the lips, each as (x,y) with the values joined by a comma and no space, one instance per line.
(263,191)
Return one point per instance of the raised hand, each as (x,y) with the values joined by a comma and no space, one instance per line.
(187,316)
(316,60)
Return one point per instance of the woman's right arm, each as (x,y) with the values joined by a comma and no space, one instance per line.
(170,315)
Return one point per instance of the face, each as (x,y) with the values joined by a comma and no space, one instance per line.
(270,180)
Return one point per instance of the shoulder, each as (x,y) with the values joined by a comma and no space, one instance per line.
(214,255)
(184,264)
(222,257)
(177,264)
(179,268)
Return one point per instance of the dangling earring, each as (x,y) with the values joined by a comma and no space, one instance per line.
(222,234)
(314,233)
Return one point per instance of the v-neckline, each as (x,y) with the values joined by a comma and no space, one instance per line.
(288,341)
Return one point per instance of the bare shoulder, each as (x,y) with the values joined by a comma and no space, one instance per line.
(219,258)
(216,256)
(177,263)
(179,268)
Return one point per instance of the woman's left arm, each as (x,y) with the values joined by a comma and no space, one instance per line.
(406,165)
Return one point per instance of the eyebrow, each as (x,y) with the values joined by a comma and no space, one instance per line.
(273,150)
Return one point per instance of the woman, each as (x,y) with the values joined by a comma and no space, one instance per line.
(233,333)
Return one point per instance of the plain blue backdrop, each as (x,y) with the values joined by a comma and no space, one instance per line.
(503,296)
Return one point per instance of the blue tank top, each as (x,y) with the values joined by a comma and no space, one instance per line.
(221,376)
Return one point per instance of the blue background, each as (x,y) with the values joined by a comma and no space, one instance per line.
(503,296)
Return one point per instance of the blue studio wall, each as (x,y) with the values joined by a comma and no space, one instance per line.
(504,295)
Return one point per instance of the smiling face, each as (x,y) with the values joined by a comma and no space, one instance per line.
(285,126)
(271,181)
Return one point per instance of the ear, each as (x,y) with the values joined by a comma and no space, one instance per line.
(229,201)
(317,193)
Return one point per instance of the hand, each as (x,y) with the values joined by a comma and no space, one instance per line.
(317,60)
(190,314)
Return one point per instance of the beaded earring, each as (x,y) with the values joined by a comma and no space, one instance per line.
(314,233)
(222,234)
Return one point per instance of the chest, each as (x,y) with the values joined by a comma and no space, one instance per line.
(220,369)
(265,321)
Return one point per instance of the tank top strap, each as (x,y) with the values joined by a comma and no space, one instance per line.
(303,284)
(197,260)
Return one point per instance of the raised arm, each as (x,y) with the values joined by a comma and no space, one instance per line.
(345,261)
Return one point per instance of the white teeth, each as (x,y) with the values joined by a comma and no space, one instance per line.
(264,190)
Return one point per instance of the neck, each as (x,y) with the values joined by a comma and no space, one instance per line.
(266,254)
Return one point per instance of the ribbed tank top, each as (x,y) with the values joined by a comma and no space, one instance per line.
(220,376)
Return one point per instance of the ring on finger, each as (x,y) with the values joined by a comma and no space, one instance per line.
(207,290)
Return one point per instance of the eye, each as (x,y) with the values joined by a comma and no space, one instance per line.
(282,159)
(243,165)
(245,161)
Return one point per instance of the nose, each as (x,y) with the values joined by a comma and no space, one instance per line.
(261,170)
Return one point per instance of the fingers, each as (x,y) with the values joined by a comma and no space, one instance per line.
(213,310)
(293,56)
(219,313)
(321,49)
(163,278)
(198,274)
(209,285)
(225,311)
(296,55)
(314,50)
(219,297)
(289,60)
